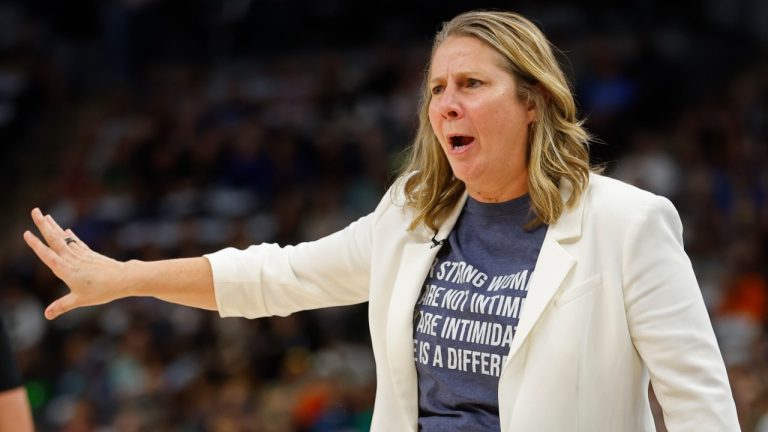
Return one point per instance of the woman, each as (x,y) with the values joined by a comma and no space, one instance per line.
(509,288)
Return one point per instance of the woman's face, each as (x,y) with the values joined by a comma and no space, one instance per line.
(479,119)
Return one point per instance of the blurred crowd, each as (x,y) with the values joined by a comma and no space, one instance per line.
(158,129)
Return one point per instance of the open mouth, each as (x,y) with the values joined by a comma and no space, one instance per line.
(458,142)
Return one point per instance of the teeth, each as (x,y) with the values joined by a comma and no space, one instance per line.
(459,141)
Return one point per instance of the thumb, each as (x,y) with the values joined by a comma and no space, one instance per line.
(60,306)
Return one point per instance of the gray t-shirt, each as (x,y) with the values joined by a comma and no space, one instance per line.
(467,314)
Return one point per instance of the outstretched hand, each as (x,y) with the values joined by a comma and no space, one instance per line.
(92,278)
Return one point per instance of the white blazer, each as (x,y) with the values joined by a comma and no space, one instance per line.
(613,302)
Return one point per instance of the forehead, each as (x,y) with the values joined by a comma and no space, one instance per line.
(463,53)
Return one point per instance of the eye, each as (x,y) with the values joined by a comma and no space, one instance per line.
(471,82)
(437,89)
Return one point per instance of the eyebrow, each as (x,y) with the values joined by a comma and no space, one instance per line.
(462,74)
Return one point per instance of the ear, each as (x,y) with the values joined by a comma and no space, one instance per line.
(536,96)
(531,109)
(531,106)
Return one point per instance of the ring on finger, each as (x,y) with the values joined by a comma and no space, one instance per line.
(69,240)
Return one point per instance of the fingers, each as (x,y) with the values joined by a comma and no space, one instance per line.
(78,244)
(55,236)
(56,228)
(57,255)
(60,306)
(50,231)
(46,255)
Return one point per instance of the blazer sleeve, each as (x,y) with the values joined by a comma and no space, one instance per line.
(267,280)
(669,324)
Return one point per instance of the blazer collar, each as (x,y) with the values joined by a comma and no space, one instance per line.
(417,257)
(425,234)
(553,266)
(568,226)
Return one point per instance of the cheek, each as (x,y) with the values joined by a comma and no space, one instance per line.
(434,121)
(510,122)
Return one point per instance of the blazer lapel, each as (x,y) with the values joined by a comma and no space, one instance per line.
(552,267)
(415,262)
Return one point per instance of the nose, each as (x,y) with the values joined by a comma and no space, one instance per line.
(448,104)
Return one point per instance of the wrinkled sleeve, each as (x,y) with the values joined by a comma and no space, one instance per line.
(266,279)
(670,327)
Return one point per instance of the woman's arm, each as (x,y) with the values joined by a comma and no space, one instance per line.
(267,280)
(670,327)
(15,415)
(95,279)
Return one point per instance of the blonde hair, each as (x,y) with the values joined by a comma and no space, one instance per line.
(557,141)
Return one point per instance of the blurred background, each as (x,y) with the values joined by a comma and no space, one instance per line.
(169,128)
